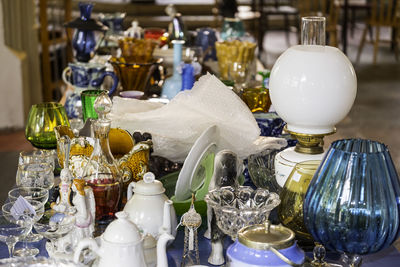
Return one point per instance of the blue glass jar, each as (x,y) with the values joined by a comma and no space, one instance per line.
(352,203)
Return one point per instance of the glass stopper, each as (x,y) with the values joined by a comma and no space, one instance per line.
(103,105)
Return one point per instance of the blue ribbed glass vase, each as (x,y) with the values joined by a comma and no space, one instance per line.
(352,203)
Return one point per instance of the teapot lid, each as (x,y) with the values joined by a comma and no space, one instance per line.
(149,185)
(122,230)
(264,236)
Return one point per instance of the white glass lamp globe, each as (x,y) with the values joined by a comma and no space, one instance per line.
(312,88)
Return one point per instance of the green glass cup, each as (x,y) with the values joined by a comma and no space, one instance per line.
(88,97)
(42,120)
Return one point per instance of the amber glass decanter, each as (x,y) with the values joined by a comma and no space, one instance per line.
(102,173)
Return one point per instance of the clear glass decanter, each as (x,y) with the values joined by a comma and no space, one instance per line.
(101,172)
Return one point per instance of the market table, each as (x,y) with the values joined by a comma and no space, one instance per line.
(388,257)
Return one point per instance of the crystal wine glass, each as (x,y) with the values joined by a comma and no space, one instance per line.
(13,228)
(39,210)
(30,193)
(35,193)
(37,156)
(238,72)
(35,175)
(54,225)
(42,120)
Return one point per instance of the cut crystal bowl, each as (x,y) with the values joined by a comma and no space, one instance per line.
(236,208)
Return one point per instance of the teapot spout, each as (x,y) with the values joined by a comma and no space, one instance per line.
(162,259)
(166,226)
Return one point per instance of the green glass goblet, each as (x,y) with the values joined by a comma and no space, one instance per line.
(88,97)
(42,120)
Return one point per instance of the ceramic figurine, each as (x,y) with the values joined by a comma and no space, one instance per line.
(85,205)
(62,198)
(122,245)
(227,169)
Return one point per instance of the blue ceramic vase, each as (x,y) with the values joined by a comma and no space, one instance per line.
(84,41)
(352,203)
(206,39)
(173,84)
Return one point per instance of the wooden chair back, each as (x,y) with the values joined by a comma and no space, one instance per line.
(326,8)
(384,13)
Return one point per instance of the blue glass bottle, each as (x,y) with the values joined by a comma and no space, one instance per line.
(352,203)
(84,40)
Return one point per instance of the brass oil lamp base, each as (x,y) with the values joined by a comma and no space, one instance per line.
(309,143)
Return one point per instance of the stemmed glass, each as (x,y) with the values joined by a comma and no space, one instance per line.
(42,120)
(35,193)
(39,210)
(13,228)
(54,226)
(37,156)
(30,193)
(238,72)
(35,175)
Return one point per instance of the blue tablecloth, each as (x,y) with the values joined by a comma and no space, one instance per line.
(389,257)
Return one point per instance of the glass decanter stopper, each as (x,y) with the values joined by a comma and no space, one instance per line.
(191,220)
(313,30)
(101,172)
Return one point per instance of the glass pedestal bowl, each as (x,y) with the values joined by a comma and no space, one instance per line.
(134,76)
(236,208)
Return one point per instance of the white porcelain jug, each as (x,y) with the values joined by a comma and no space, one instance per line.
(146,208)
(122,245)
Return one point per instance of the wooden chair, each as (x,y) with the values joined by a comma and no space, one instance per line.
(383,14)
(268,8)
(325,8)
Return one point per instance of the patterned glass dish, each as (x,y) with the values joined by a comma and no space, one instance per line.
(236,208)
(351,205)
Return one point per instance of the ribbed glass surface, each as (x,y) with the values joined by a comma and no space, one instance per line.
(352,203)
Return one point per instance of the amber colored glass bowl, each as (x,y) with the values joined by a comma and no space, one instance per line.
(257,99)
(134,76)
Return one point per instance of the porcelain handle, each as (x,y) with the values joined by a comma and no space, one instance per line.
(85,243)
(67,73)
(98,82)
(131,186)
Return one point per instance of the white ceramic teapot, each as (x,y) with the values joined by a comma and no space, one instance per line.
(122,245)
(146,208)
